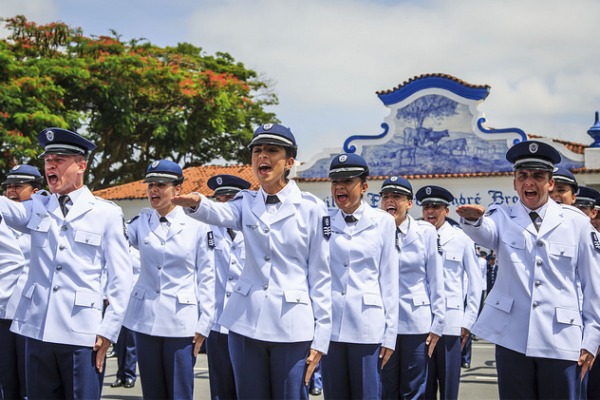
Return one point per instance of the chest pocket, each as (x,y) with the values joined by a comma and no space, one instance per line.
(91,238)
(562,254)
(453,259)
(39,228)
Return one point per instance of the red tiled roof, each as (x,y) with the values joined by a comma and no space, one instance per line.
(576,148)
(438,75)
(195,181)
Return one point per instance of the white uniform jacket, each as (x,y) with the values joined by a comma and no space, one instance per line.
(534,306)
(12,264)
(364,278)
(460,260)
(24,242)
(422,300)
(284,291)
(63,297)
(174,295)
(229,261)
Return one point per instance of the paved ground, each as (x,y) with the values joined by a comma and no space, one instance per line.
(477,383)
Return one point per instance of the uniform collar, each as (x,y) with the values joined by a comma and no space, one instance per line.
(540,211)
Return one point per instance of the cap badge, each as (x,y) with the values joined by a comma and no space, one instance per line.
(427,190)
(266,127)
(16,167)
(533,147)
(219,181)
(342,158)
(50,135)
(394,178)
(155,164)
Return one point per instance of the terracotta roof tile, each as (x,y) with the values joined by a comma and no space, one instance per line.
(438,75)
(195,181)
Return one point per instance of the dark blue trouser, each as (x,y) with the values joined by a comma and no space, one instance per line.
(220,370)
(166,366)
(351,371)
(444,369)
(126,355)
(61,371)
(405,374)
(268,370)
(12,363)
(522,377)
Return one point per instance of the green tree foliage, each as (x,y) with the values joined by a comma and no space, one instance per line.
(138,102)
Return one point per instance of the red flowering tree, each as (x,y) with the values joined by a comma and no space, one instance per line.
(138,102)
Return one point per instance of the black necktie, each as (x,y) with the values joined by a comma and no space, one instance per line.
(272,199)
(163,219)
(350,218)
(231,233)
(536,219)
(63,201)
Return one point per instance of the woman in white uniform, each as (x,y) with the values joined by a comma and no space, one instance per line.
(364,271)
(422,307)
(172,304)
(279,314)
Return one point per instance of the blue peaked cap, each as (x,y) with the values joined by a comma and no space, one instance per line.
(22,174)
(562,174)
(397,184)
(532,154)
(164,171)
(273,134)
(434,194)
(62,141)
(347,166)
(227,184)
(587,197)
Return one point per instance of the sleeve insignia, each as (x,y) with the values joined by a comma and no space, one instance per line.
(210,239)
(327,227)
(596,242)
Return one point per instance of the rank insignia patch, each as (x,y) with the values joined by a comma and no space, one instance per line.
(327,227)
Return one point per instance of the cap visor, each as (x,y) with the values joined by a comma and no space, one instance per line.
(159,180)
(345,174)
(269,141)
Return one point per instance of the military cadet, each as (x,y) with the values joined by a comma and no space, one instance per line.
(171,309)
(125,350)
(533,313)
(586,201)
(364,280)
(460,267)
(596,219)
(22,181)
(565,186)
(74,237)
(229,260)
(279,314)
(422,307)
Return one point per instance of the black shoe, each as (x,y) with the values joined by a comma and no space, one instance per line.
(466,365)
(129,383)
(117,383)
(316,391)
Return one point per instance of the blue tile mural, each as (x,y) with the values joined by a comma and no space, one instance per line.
(438,132)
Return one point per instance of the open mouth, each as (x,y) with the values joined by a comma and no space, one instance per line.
(530,194)
(52,178)
(341,197)
(431,219)
(264,169)
(392,210)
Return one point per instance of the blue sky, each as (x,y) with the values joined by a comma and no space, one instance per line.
(327,58)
